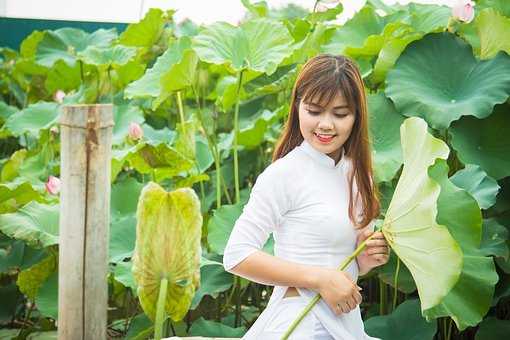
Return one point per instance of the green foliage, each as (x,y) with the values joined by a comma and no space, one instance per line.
(167,247)
(192,89)
(405,323)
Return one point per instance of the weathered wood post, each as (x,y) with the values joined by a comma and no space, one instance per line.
(86,134)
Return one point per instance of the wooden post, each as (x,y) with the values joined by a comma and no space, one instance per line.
(86,137)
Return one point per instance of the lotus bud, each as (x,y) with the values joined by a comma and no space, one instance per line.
(463,10)
(135,131)
(59,96)
(53,185)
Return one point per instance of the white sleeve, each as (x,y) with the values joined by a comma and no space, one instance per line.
(261,215)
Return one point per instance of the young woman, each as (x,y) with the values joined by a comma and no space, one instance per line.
(318,199)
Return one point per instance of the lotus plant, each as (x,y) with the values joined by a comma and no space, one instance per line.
(135,131)
(410,226)
(166,260)
(463,10)
(52,185)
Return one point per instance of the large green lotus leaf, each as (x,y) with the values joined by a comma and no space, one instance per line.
(123,115)
(121,156)
(140,328)
(185,141)
(410,223)
(220,226)
(147,32)
(124,199)
(494,239)
(28,46)
(484,142)
(474,180)
(384,126)
(112,56)
(392,46)
(354,33)
(203,154)
(11,255)
(502,6)
(124,75)
(493,329)
(164,135)
(258,44)
(404,323)
(492,28)
(438,78)
(6,111)
(162,160)
(173,70)
(471,298)
(123,274)
(33,119)
(11,166)
(207,328)
(30,280)
(168,234)
(34,223)
(309,45)
(280,80)
(252,130)
(257,9)
(65,43)
(47,298)
(428,18)
(16,194)
(63,77)
(37,166)
(327,15)
(213,280)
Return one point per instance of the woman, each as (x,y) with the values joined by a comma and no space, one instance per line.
(318,199)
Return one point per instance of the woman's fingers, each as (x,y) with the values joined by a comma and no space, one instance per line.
(378,250)
(376,242)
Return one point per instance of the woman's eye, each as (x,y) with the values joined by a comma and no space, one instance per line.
(313,112)
(341,115)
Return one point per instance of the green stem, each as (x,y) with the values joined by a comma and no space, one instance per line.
(317,297)
(448,329)
(236,132)
(211,143)
(395,284)
(181,111)
(160,311)
(382,297)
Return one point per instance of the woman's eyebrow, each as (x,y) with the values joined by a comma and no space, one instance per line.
(336,107)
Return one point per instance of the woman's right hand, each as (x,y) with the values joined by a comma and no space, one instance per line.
(337,288)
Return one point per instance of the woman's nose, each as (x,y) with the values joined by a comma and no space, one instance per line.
(325,123)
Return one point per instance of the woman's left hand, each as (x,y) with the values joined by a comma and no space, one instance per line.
(376,252)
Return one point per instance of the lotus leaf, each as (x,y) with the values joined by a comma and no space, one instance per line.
(168,233)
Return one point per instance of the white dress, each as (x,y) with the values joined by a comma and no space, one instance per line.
(302,198)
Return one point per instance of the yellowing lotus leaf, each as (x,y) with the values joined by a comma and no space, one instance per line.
(168,233)
(427,248)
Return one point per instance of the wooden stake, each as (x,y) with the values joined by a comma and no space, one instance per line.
(86,137)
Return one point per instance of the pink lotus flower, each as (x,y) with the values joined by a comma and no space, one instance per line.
(59,96)
(53,185)
(463,10)
(135,131)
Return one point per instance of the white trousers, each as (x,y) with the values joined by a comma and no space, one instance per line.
(310,328)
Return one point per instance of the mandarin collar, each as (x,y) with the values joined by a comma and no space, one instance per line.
(321,157)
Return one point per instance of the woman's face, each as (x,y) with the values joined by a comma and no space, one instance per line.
(326,128)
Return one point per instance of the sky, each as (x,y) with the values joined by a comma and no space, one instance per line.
(199,11)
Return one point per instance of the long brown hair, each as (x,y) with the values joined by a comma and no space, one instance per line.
(323,76)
